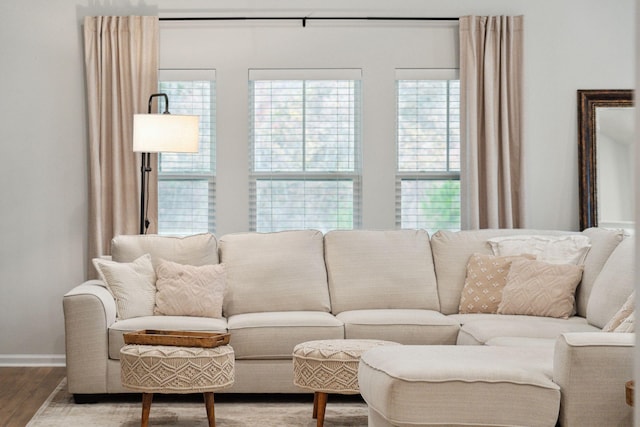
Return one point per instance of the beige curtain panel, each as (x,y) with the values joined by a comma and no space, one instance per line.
(491,121)
(121,66)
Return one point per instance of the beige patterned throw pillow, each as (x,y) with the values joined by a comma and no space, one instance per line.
(625,311)
(537,288)
(627,324)
(486,277)
(188,290)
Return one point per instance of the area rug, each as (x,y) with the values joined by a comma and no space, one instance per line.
(188,410)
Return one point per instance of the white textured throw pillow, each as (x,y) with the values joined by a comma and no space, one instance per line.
(187,290)
(625,311)
(567,249)
(132,284)
(537,288)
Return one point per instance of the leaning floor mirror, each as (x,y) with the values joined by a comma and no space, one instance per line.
(606,158)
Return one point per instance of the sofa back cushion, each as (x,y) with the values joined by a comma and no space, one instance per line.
(281,271)
(198,249)
(380,269)
(451,252)
(613,285)
(603,243)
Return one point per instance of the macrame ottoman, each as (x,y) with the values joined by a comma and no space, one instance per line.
(330,366)
(168,369)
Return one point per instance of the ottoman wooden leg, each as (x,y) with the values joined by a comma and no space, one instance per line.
(146,407)
(208,402)
(319,405)
(315,405)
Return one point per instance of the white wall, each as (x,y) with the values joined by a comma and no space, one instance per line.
(569,45)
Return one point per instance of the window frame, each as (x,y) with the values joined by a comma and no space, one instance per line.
(354,175)
(192,75)
(424,175)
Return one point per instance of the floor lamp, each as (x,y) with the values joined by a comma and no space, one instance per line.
(160,133)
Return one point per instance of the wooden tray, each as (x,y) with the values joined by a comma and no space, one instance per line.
(177,338)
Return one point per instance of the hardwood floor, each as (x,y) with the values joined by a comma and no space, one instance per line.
(23,390)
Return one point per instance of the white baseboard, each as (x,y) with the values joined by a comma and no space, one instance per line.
(32,360)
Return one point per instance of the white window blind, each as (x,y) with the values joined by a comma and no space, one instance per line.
(428,147)
(305,148)
(186,181)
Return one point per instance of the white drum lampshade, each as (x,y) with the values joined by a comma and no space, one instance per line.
(165,133)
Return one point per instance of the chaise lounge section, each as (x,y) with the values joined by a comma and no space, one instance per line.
(451,385)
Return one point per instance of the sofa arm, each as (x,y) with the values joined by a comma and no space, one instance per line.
(591,369)
(89,310)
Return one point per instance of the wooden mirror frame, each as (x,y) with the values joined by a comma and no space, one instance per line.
(588,101)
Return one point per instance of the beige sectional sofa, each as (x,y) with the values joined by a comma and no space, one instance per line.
(402,285)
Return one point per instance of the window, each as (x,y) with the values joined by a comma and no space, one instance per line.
(186,181)
(428,147)
(305,147)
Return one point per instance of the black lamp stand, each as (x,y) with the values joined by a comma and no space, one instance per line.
(145,169)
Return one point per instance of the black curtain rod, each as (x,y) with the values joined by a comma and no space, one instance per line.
(311,18)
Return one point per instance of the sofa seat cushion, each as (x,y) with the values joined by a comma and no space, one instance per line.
(282,271)
(170,323)
(273,335)
(452,385)
(522,342)
(479,331)
(370,269)
(404,326)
